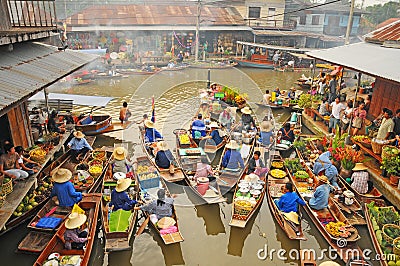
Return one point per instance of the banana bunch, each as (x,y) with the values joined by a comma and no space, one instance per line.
(95,169)
(142,169)
(184,139)
(333,228)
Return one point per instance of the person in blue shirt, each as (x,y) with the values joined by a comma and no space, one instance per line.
(215,133)
(164,157)
(287,133)
(120,198)
(323,166)
(320,198)
(232,158)
(288,202)
(79,146)
(151,134)
(292,93)
(266,134)
(198,128)
(64,189)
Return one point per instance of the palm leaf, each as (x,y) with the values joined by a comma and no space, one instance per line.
(119,221)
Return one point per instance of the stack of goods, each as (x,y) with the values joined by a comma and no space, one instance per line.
(38,155)
(184,140)
(301,175)
(148,176)
(246,197)
(82,178)
(99,155)
(364,140)
(339,229)
(385,222)
(96,167)
(291,164)
(277,173)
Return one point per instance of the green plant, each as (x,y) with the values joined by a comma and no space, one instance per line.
(293,164)
(391,165)
(305,101)
(300,145)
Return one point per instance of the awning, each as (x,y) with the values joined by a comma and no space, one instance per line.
(273,47)
(371,59)
(302,56)
(85,100)
(168,28)
(30,67)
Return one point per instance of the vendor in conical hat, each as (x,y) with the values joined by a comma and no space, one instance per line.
(215,135)
(232,158)
(360,179)
(119,161)
(160,207)
(164,158)
(289,201)
(64,189)
(247,120)
(119,196)
(151,133)
(74,237)
(79,146)
(320,197)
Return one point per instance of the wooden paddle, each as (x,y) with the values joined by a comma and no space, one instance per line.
(143,226)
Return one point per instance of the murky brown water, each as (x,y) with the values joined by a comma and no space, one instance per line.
(209,240)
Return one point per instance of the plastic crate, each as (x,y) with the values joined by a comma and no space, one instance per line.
(149,183)
(48,222)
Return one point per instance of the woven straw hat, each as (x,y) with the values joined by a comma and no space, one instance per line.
(62,175)
(79,135)
(214,125)
(119,153)
(359,167)
(232,145)
(292,216)
(323,179)
(162,145)
(75,220)
(266,126)
(165,222)
(149,124)
(123,184)
(246,110)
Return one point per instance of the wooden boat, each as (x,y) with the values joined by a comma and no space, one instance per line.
(286,149)
(174,68)
(134,71)
(178,174)
(106,75)
(241,215)
(94,124)
(352,212)
(150,186)
(116,241)
(332,213)
(372,232)
(374,194)
(274,185)
(256,61)
(189,162)
(212,65)
(91,205)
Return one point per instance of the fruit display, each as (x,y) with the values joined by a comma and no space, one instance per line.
(362,138)
(277,173)
(99,155)
(293,164)
(337,229)
(38,155)
(277,164)
(184,139)
(243,203)
(145,169)
(96,168)
(146,176)
(301,175)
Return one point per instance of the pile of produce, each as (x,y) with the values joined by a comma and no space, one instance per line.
(277,164)
(99,155)
(277,173)
(293,164)
(96,167)
(338,229)
(146,176)
(362,138)
(38,155)
(184,139)
(145,169)
(303,175)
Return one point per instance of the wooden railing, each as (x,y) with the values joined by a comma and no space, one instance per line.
(32,13)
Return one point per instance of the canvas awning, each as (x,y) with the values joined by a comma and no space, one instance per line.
(85,100)
(30,67)
(302,56)
(273,47)
(372,59)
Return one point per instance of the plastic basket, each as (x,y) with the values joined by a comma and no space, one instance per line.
(149,183)
(387,155)
(7,188)
(241,211)
(387,238)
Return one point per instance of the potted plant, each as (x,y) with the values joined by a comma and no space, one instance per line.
(392,168)
(305,102)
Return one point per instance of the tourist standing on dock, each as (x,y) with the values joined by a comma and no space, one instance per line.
(79,146)
(64,189)
(346,117)
(337,107)
(9,163)
(226,118)
(151,134)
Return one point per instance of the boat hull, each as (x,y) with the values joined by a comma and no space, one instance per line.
(248,63)
(93,125)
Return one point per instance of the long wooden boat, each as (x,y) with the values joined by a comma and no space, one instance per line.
(117,240)
(189,162)
(241,215)
(374,194)
(256,61)
(178,174)
(372,232)
(94,124)
(40,198)
(296,125)
(333,214)
(274,185)
(352,212)
(211,65)
(134,71)
(150,186)
(174,68)
(91,205)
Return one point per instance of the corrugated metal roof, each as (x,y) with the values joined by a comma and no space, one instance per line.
(31,67)
(119,15)
(298,33)
(372,59)
(390,32)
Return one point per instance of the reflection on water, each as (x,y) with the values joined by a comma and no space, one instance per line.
(209,240)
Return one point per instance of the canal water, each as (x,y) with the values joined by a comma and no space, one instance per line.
(209,240)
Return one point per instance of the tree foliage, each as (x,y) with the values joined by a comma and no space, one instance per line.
(379,13)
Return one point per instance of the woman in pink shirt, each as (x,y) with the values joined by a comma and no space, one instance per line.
(203,168)
(359,116)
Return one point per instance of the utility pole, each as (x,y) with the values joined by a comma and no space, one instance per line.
(350,23)
(196,52)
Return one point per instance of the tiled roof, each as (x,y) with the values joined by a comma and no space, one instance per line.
(390,32)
